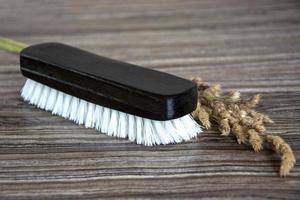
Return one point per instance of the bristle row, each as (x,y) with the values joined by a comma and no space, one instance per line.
(112,122)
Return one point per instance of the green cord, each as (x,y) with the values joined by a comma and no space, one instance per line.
(11,45)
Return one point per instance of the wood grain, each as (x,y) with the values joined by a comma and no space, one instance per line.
(245,45)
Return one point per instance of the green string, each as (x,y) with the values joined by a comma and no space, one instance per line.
(10,45)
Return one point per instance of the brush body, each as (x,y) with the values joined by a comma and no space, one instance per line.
(116,98)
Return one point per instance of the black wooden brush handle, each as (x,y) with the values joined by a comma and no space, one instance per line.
(110,83)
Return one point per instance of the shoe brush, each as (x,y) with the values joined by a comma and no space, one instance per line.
(116,98)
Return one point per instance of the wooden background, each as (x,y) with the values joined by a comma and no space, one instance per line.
(253,46)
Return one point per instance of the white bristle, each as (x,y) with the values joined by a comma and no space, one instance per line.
(89,121)
(112,122)
(81,113)
(51,99)
(139,129)
(106,115)
(66,106)
(73,108)
(131,128)
(98,112)
(58,106)
(43,98)
(122,125)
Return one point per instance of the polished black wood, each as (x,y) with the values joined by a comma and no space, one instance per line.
(125,87)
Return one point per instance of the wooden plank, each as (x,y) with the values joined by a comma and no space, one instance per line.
(250,46)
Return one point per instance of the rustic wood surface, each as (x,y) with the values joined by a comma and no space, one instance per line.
(246,45)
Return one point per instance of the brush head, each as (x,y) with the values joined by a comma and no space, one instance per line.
(109,121)
(110,83)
